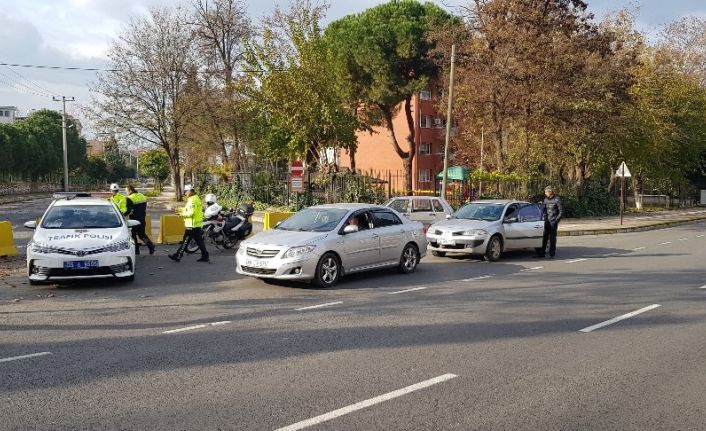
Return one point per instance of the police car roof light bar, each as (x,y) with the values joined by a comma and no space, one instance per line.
(71,195)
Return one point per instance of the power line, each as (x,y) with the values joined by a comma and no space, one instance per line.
(34,83)
(36,66)
(13,83)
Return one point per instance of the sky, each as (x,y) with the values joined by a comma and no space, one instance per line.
(77,33)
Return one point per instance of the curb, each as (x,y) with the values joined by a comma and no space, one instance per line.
(609,231)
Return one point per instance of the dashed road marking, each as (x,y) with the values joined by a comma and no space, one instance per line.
(406,290)
(191,328)
(367,403)
(683,239)
(575,260)
(32,355)
(703,287)
(665,243)
(619,318)
(481,277)
(638,248)
(700,236)
(328,304)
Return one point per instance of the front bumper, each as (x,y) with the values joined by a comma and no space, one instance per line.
(298,268)
(51,267)
(457,244)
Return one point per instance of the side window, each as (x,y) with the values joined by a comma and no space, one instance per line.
(421,205)
(511,211)
(530,213)
(385,218)
(399,205)
(438,207)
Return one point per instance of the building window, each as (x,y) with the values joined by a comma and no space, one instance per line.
(438,123)
(425,94)
(425,148)
(426,121)
(7,113)
(424,175)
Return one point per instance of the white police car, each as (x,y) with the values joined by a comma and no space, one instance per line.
(80,237)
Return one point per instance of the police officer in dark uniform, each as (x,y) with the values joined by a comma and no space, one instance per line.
(553,211)
(139,213)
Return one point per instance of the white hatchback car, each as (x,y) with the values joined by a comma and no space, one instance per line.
(80,237)
(322,243)
(488,228)
(424,209)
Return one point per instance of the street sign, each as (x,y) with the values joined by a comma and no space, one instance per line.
(296,168)
(297,185)
(623,171)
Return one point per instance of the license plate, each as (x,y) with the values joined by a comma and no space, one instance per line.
(447,242)
(256,263)
(81,264)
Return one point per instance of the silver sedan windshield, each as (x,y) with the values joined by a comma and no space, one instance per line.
(480,211)
(314,220)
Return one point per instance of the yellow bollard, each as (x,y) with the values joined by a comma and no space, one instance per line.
(271,219)
(7,242)
(148,227)
(171,229)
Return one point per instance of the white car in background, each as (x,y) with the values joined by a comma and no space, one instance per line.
(321,243)
(488,228)
(424,209)
(80,237)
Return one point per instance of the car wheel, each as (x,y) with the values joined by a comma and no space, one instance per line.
(494,249)
(328,271)
(409,259)
(438,253)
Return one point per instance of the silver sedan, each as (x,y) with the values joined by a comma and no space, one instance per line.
(322,243)
(488,228)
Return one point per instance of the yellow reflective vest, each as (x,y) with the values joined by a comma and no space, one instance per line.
(192,212)
(121,202)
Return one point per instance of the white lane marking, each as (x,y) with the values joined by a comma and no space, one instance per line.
(665,243)
(367,403)
(406,290)
(534,268)
(619,318)
(638,248)
(575,260)
(703,287)
(33,355)
(320,305)
(482,277)
(683,239)
(190,328)
(700,236)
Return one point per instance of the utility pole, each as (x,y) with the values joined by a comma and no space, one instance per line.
(448,122)
(63,133)
(482,144)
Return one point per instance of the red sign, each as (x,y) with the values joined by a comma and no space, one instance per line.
(296,169)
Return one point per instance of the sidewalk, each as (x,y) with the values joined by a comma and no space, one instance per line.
(631,222)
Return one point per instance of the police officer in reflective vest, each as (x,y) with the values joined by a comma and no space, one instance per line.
(139,213)
(123,204)
(193,221)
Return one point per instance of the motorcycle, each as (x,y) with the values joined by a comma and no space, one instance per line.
(225,230)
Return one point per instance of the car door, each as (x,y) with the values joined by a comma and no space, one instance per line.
(422,211)
(392,234)
(401,205)
(514,232)
(362,248)
(532,225)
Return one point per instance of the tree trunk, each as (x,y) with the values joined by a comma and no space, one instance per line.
(406,156)
(351,156)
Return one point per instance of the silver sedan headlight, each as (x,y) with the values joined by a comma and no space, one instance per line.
(298,251)
(475,232)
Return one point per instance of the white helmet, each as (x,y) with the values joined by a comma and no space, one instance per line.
(114,187)
(210,198)
(188,187)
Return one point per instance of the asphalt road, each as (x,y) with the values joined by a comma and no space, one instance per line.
(458,345)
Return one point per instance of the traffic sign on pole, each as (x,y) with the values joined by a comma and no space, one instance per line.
(296,168)
(623,171)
